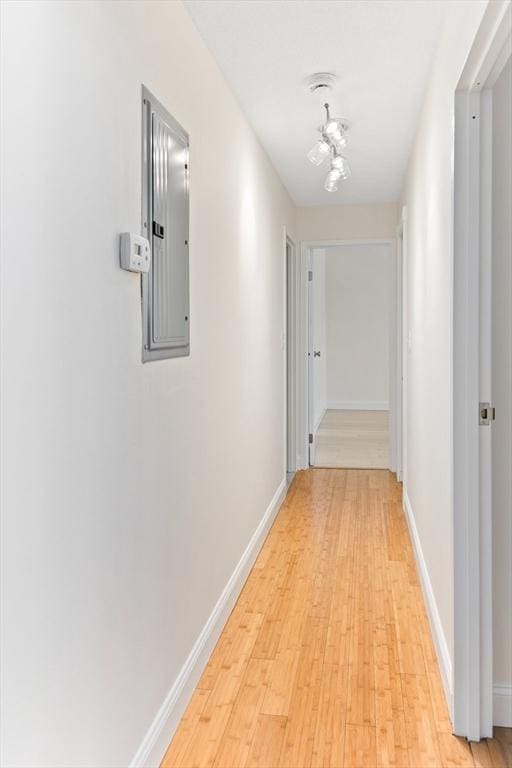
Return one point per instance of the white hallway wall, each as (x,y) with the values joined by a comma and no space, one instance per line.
(428,196)
(347,222)
(125,495)
(502,395)
(358,297)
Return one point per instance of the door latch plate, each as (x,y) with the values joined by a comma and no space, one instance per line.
(486,414)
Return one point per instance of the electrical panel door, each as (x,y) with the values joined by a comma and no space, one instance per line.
(165,289)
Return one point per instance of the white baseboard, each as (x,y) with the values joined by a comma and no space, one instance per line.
(441,646)
(160,733)
(502,705)
(358,405)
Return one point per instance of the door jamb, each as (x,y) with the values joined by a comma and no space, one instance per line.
(473,679)
(293,459)
(401,341)
(310,361)
(306,246)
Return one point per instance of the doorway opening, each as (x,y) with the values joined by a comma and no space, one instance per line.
(352,354)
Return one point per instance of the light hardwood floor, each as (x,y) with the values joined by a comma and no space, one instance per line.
(353,439)
(327,658)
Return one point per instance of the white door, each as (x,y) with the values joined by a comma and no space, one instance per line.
(475,200)
(399,426)
(501,386)
(290,400)
(311,364)
(317,403)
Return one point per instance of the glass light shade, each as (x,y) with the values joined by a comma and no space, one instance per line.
(345,171)
(334,174)
(319,152)
(330,127)
(340,164)
(339,139)
(330,184)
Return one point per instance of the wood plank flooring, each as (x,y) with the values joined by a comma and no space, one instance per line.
(353,440)
(327,659)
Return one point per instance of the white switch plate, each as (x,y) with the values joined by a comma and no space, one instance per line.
(135,252)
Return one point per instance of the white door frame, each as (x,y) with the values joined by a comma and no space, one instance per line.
(401,344)
(304,333)
(473,679)
(311,361)
(293,353)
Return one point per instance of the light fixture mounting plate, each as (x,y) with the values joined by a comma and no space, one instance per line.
(321,82)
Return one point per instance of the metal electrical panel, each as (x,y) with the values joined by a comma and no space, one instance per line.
(165,217)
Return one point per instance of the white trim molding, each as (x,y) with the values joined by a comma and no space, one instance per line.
(357,405)
(491,48)
(502,705)
(292,384)
(441,646)
(302,331)
(395,373)
(401,346)
(306,247)
(309,244)
(161,731)
(472,485)
(472,543)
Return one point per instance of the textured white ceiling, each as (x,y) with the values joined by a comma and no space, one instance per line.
(381,51)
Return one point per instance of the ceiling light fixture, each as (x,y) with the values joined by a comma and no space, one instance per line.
(333,138)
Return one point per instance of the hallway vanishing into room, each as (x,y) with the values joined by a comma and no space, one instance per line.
(327,657)
(353,440)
